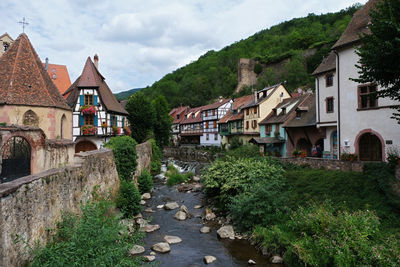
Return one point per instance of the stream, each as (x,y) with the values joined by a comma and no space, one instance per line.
(194,245)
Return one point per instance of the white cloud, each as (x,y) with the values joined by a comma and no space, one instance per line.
(140,41)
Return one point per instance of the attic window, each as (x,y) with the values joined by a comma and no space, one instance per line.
(274,110)
(329,80)
(193,115)
(177,117)
(88,100)
(264,94)
(283,111)
(298,114)
(5,47)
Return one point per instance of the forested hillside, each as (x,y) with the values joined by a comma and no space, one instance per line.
(304,41)
(124,95)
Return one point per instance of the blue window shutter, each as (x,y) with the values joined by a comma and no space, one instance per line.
(81,120)
(82,100)
(95,122)
(123,122)
(95,100)
(111,120)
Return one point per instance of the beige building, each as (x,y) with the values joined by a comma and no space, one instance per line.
(262,104)
(5,42)
(27,94)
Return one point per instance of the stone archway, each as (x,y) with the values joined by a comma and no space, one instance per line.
(85,145)
(369,146)
(16,159)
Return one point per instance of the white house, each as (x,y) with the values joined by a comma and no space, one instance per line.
(211,114)
(97,114)
(326,95)
(364,124)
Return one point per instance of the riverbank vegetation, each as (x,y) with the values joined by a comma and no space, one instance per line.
(175,177)
(312,217)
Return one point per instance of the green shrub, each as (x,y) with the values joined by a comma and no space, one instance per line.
(128,199)
(229,177)
(189,175)
(264,204)
(244,151)
(235,142)
(258,68)
(319,236)
(92,239)
(145,182)
(156,158)
(124,148)
(176,178)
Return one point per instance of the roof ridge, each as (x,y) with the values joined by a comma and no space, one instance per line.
(15,64)
(31,50)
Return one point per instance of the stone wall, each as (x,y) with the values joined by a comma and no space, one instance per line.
(327,164)
(32,204)
(144,153)
(184,153)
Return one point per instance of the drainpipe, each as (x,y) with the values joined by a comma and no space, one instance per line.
(318,106)
(338,96)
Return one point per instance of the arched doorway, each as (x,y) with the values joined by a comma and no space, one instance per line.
(16,159)
(304,145)
(370,147)
(84,146)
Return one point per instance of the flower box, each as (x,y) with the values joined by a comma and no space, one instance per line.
(116,130)
(127,131)
(88,130)
(88,110)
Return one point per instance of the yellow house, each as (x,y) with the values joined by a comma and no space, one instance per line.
(27,94)
(262,104)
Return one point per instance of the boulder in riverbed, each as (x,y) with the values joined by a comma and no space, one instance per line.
(151,228)
(226,232)
(180,216)
(210,215)
(205,229)
(136,250)
(170,239)
(276,259)
(146,196)
(184,209)
(171,206)
(150,258)
(161,247)
(209,259)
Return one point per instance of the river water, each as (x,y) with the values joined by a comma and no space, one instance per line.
(194,245)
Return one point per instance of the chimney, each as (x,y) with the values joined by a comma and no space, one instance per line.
(220,99)
(255,96)
(46,66)
(96,61)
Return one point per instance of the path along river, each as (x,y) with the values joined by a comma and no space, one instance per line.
(194,245)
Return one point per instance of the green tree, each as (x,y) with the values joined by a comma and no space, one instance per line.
(141,116)
(380,52)
(163,121)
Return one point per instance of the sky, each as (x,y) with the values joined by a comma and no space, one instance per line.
(138,42)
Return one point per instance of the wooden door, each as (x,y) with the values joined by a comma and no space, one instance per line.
(370,147)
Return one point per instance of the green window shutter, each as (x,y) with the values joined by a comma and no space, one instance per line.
(95,100)
(81,120)
(96,118)
(82,100)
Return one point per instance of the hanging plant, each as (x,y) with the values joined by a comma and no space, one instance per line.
(88,110)
(89,130)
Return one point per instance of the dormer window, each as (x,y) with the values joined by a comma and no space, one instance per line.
(5,47)
(264,94)
(193,115)
(178,116)
(298,114)
(275,111)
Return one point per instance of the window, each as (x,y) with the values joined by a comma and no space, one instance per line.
(193,115)
(5,47)
(329,80)
(239,125)
(207,137)
(233,125)
(329,104)
(206,124)
(283,111)
(89,119)
(255,110)
(177,117)
(268,129)
(276,128)
(88,100)
(274,110)
(367,96)
(247,124)
(213,112)
(247,111)
(215,124)
(114,120)
(254,124)
(298,114)
(215,137)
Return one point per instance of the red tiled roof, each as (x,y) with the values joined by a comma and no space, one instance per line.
(198,118)
(59,75)
(181,111)
(238,103)
(91,78)
(357,25)
(24,81)
(216,104)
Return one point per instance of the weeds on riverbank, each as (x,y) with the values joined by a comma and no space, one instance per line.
(312,217)
(174,177)
(95,238)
